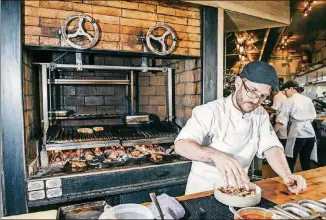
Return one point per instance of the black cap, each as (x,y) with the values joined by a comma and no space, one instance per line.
(290,83)
(261,72)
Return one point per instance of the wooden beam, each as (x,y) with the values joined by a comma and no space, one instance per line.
(12,116)
(264,44)
(273,40)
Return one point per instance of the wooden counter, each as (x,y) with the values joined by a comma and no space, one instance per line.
(321,118)
(274,190)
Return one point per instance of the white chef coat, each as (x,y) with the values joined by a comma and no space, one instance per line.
(299,110)
(278,100)
(218,124)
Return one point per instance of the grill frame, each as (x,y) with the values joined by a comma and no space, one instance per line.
(145,136)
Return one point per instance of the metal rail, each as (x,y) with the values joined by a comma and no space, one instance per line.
(161,140)
(89,116)
(101,67)
(88,81)
(74,145)
(170,96)
(45,102)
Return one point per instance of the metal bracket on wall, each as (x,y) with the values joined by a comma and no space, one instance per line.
(79,61)
(144,64)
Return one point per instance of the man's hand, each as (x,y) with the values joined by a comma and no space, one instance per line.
(230,169)
(295,183)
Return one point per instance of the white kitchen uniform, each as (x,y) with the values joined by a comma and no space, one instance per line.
(299,112)
(218,124)
(278,100)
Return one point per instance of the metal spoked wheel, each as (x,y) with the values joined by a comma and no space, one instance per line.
(160,44)
(73,39)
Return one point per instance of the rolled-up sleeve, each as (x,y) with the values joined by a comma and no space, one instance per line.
(267,137)
(198,126)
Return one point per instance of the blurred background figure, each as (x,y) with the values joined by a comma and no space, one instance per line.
(297,112)
(278,100)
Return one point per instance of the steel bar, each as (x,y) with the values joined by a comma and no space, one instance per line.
(158,140)
(78,145)
(89,81)
(132,92)
(45,103)
(170,95)
(101,67)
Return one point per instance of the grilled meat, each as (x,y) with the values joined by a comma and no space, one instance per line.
(156,157)
(150,149)
(233,191)
(85,131)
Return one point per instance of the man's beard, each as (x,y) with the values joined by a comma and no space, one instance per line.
(242,104)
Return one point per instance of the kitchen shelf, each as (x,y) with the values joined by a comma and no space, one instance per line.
(88,82)
(310,71)
(315,82)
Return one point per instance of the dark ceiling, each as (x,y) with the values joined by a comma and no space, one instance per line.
(305,29)
(302,33)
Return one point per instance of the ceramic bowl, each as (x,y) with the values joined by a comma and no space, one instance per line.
(127,211)
(238,201)
(255,213)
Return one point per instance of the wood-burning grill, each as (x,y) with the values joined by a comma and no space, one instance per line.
(126,177)
(59,136)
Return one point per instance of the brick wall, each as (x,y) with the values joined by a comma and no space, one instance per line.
(152,89)
(92,99)
(152,93)
(187,88)
(31,105)
(121,22)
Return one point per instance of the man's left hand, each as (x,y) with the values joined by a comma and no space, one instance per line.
(295,183)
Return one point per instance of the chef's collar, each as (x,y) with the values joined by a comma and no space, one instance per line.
(295,94)
(236,113)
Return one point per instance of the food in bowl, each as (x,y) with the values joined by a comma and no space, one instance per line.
(254,213)
(234,199)
(233,191)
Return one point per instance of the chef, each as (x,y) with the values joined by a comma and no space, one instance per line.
(278,100)
(223,136)
(297,113)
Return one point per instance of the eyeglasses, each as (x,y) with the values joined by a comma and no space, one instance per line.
(252,94)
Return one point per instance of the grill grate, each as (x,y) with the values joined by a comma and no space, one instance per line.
(69,134)
(66,134)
